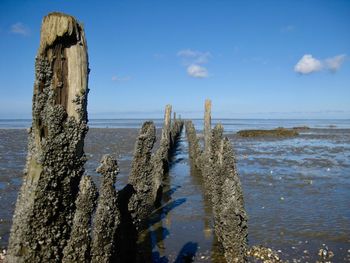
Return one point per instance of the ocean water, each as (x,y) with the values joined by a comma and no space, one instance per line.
(296,190)
(229,124)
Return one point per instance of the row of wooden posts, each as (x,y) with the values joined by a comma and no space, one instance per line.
(60,215)
(217,165)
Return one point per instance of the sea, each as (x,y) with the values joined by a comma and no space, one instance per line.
(230,125)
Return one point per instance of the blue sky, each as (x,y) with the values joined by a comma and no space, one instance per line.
(254,59)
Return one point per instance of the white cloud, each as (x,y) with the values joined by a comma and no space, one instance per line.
(197,71)
(193,56)
(118,78)
(20,29)
(334,63)
(193,61)
(308,64)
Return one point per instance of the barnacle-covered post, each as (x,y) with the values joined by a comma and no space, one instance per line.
(46,202)
(224,189)
(167,122)
(211,164)
(141,175)
(230,217)
(107,218)
(78,248)
(160,159)
(222,185)
(207,123)
(194,149)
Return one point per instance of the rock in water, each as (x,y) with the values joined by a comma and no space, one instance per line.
(45,207)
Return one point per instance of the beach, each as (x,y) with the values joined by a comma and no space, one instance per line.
(296,190)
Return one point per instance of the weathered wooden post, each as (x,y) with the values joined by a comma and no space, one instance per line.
(78,248)
(194,149)
(46,203)
(107,217)
(160,159)
(211,164)
(141,176)
(207,124)
(229,213)
(167,122)
(222,187)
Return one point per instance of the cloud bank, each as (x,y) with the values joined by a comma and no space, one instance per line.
(308,64)
(194,60)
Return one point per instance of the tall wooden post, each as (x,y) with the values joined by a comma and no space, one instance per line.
(207,124)
(46,203)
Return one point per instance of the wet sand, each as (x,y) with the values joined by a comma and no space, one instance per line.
(296,192)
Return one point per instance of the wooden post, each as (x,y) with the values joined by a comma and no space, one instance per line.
(207,124)
(167,121)
(107,217)
(78,248)
(141,176)
(55,163)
